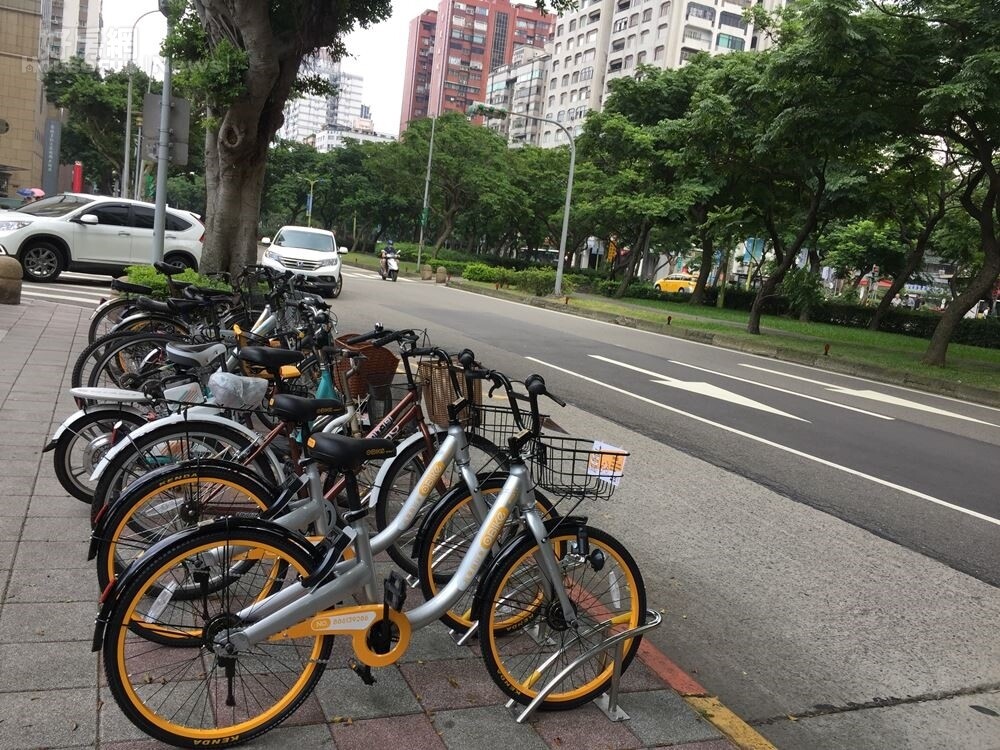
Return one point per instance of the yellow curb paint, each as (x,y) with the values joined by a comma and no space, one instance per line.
(736,730)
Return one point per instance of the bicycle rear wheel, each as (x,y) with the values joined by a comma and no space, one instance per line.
(84,443)
(191,692)
(524,637)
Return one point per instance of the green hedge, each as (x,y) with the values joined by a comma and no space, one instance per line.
(149,276)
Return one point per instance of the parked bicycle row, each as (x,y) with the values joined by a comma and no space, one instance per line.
(243,478)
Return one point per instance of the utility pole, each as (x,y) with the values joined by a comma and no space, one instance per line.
(162,153)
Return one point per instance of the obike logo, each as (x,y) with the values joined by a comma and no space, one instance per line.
(494,527)
(353,621)
(383,425)
(434,473)
(218,741)
(376,452)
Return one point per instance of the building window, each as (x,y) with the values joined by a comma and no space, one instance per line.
(640,59)
(644,38)
(664,9)
(633,19)
(620,25)
(630,42)
(628,62)
(553,83)
(587,73)
(565,80)
(572,25)
(732,19)
(647,15)
(687,53)
(589,54)
(617,45)
(624,4)
(552,101)
(575,77)
(662,30)
(728,41)
(562,98)
(555,65)
(591,36)
(614,66)
(658,53)
(696,10)
(694,34)
(559,30)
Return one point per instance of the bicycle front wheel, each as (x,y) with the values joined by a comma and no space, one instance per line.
(191,691)
(524,635)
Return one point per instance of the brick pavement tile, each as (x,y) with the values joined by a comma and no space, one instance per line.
(639,678)
(56,585)
(661,717)
(40,622)
(410,732)
(452,683)
(115,728)
(25,467)
(486,728)
(13,504)
(288,736)
(47,666)
(10,528)
(68,553)
(56,529)
(51,719)
(59,506)
(15,486)
(708,745)
(133,745)
(435,642)
(22,452)
(584,728)
(341,693)
(7,550)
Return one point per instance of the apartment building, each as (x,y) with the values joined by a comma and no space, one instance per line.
(607,39)
(70,28)
(419,62)
(470,39)
(311,114)
(519,87)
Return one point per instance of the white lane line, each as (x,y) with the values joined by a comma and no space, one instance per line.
(718,348)
(43,295)
(106,278)
(702,389)
(88,291)
(785,390)
(779,446)
(874,396)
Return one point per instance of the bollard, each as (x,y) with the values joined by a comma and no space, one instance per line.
(442,275)
(10,281)
(426,272)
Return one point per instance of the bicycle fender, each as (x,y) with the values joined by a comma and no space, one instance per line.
(383,470)
(110,597)
(508,551)
(152,479)
(486,481)
(70,420)
(203,416)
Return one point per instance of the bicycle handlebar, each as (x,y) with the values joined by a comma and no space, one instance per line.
(375,333)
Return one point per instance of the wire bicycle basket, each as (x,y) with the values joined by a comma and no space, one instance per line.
(576,467)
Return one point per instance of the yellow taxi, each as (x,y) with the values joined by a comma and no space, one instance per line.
(681,283)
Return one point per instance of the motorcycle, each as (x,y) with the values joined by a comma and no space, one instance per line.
(389,267)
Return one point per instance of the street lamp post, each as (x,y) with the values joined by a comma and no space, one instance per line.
(487,111)
(309,205)
(128,108)
(427,191)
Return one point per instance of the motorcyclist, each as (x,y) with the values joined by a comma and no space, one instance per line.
(387,250)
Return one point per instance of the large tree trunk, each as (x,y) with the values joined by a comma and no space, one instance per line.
(628,272)
(699,214)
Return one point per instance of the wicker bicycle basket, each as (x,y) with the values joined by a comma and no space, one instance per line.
(378,365)
(574,468)
(438,391)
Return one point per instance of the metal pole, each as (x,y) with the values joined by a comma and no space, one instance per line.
(137,177)
(565,226)
(126,170)
(162,164)
(427,191)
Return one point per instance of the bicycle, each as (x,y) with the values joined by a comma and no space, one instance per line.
(256,608)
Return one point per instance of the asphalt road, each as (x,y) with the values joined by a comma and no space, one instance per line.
(823,547)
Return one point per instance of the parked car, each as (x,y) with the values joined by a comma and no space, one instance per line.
(78,232)
(310,253)
(11,204)
(682,283)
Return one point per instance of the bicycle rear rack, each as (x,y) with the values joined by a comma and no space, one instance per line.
(607,702)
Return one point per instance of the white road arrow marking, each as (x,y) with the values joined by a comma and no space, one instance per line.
(703,389)
(875,396)
(866,412)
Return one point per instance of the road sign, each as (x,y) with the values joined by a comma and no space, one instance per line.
(180,126)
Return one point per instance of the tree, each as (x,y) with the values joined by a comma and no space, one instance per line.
(942,55)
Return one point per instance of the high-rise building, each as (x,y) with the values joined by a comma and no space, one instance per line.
(310,114)
(471,39)
(419,61)
(71,28)
(607,39)
(29,148)
(519,87)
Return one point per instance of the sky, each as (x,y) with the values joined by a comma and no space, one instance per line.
(376,53)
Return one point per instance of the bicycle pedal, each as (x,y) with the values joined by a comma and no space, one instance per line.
(363,671)
(395,591)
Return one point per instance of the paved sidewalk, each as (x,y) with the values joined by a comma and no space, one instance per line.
(439,696)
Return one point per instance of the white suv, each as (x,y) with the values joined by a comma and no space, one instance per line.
(78,232)
(310,253)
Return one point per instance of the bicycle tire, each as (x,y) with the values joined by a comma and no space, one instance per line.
(107,316)
(159,687)
(402,475)
(73,471)
(166,445)
(125,363)
(172,500)
(515,589)
(445,536)
(93,352)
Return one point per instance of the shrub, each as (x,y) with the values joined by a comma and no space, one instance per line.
(538,281)
(149,276)
(481,272)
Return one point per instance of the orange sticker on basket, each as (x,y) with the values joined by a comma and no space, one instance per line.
(607,463)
